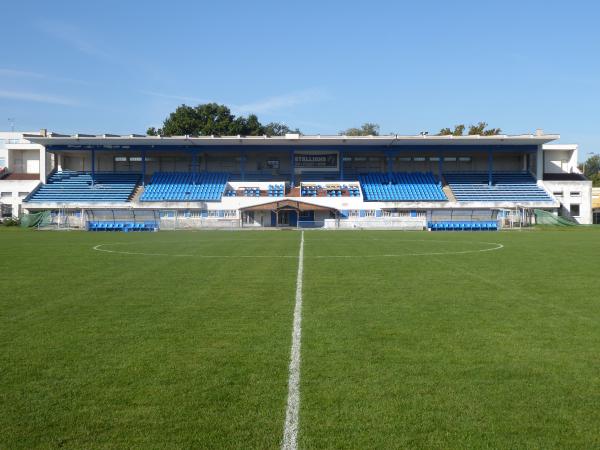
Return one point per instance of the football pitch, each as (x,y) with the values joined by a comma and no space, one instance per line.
(404,339)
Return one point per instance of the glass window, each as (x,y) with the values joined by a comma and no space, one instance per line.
(434,158)
(464,158)
(574,209)
(450,158)
(419,158)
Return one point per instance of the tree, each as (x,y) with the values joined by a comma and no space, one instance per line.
(479,129)
(366,129)
(592,165)
(278,129)
(211,118)
(458,131)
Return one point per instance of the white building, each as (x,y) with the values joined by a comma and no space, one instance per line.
(565,181)
(23,166)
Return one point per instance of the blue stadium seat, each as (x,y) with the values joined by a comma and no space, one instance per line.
(506,187)
(450,225)
(185,186)
(70,186)
(122,226)
(401,186)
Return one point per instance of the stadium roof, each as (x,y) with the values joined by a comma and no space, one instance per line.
(49,139)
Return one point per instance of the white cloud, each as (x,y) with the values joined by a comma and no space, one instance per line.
(39,76)
(176,97)
(265,106)
(39,98)
(73,37)
(282,102)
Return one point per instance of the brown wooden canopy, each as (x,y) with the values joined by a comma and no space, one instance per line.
(287,204)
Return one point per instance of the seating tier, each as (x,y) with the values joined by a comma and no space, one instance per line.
(185,187)
(506,186)
(401,186)
(77,187)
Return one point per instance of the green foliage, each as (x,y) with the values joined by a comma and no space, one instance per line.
(10,222)
(366,129)
(457,131)
(591,167)
(479,129)
(279,129)
(214,119)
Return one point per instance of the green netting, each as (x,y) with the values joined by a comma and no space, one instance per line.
(546,218)
(41,219)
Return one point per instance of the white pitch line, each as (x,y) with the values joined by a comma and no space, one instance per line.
(292,419)
(497,246)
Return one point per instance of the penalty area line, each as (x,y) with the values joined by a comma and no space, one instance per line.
(292,412)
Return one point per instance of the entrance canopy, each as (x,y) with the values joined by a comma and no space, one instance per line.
(287,204)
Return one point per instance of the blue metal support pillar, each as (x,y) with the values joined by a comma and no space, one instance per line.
(144,167)
(341,156)
(93,164)
(293,166)
(390,165)
(243,165)
(490,166)
(440,167)
(195,161)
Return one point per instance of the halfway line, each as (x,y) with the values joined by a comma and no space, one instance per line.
(290,430)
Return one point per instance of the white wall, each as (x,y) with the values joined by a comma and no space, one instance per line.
(565,193)
(560,158)
(13,192)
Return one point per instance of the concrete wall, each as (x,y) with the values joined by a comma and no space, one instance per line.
(13,192)
(560,158)
(573,193)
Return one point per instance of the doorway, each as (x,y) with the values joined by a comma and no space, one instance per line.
(287,218)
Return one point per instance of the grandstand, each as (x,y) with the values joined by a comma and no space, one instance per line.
(345,182)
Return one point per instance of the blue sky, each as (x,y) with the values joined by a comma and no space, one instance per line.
(322,66)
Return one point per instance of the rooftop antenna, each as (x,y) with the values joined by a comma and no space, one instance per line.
(11,121)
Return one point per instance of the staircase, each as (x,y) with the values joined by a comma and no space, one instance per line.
(449,193)
(137,193)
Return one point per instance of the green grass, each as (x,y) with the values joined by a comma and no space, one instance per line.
(431,348)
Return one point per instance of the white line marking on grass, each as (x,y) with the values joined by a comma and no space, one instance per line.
(491,249)
(496,246)
(290,430)
(100,248)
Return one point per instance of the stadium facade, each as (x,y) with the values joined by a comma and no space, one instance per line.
(407,182)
